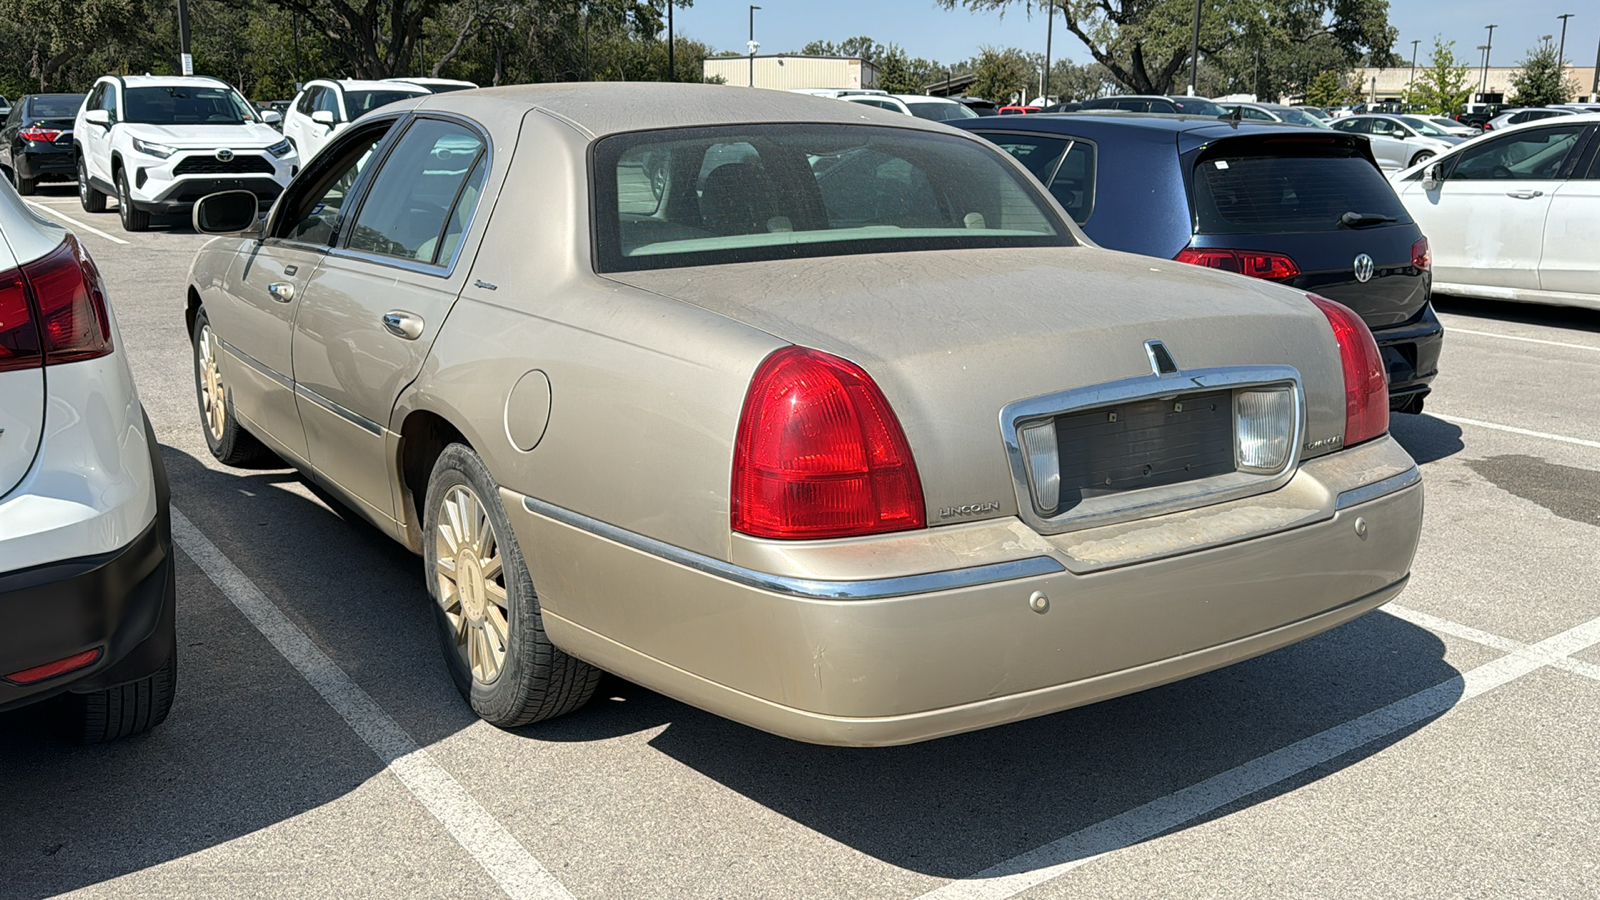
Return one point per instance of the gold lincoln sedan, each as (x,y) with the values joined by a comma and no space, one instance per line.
(821,418)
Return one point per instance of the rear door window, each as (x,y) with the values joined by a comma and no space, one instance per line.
(408,212)
(1297,193)
(1536,154)
(1063,165)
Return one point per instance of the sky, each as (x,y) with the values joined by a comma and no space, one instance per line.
(928,30)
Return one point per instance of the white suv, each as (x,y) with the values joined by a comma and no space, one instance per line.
(160,143)
(325,107)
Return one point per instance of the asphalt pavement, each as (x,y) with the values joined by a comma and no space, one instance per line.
(1444,746)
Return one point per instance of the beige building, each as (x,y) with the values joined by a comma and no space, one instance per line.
(786,72)
(1390,84)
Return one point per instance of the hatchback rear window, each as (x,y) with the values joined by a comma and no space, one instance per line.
(1298,193)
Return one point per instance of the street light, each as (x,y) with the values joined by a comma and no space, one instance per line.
(672,70)
(753,45)
(1410,84)
(1049,34)
(1194,50)
(1561,54)
(1487,49)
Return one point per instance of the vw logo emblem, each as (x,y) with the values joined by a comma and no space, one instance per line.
(225,154)
(1364,268)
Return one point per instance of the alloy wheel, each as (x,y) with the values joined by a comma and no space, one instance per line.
(471,583)
(212,396)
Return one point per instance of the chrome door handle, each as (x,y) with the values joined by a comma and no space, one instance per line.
(281,291)
(1524,194)
(403,324)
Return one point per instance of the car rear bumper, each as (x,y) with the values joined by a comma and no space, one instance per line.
(1411,355)
(121,604)
(45,161)
(1014,625)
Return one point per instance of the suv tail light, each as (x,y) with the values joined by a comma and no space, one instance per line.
(53,310)
(19,337)
(1421,256)
(1366,383)
(820,454)
(42,135)
(1255,263)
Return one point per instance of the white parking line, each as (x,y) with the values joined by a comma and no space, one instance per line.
(480,834)
(1526,340)
(1582,442)
(74,222)
(1467,632)
(1037,866)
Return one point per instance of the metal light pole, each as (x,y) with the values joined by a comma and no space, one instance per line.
(1594,92)
(672,70)
(1561,54)
(1483,68)
(1412,83)
(185,60)
(1194,51)
(1488,48)
(1049,34)
(753,45)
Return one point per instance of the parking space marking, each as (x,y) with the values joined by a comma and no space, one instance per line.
(74,222)
(1495,641)
(1050,861)
(494,848)
(1526,340)
(1581,442)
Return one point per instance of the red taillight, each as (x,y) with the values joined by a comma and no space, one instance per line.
(820,454)
(1421,257)
(52,669)
(1366,383)
(35,133)
(1255,263)
(69,300)
(19,337)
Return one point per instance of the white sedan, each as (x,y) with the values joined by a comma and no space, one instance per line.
(1514,215)
(87,593)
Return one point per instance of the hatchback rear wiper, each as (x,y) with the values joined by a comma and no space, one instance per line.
(1357,220)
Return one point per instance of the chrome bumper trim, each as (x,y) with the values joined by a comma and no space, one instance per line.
(1373,491)
(806,588)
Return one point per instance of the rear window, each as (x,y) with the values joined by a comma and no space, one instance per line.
(706,196)
(54,107)
(939,112)
(1255,194)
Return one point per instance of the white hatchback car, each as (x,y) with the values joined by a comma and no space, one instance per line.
(1515,214)
(87,594)
(325,107)
(1421,140)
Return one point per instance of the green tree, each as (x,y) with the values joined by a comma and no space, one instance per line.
(1002,75)
(1539,81)
(1325,90)
(1442,88)
(53,35)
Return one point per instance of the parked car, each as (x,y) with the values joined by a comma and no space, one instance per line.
(325,107)
(1421,141)
(1518,116)
(36,140)
(1309,209)
(87,591)
(1188,106)
(1515,214)
(1477,115)
(979,105)
(1274,112)
(439,85)
(5,106)
(278,107)
(837,93)
(159,143)
(1451,126)
(1316,112)
(721,418)
(1018,110)
(1065,106)
(935,109)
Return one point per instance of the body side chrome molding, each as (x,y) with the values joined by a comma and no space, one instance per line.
(361,422)
(256,364)
(1376,489)
(807,588)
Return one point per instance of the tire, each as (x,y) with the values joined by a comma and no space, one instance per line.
(1411,406)
(90,199)
(124,710)
(1422,157)
(228,441)
(25,186)
(132,219)
(533,680)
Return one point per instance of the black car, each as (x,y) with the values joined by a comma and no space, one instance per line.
(36,140)
(1306,208)
(1157,103)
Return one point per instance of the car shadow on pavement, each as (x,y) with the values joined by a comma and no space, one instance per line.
(1425,437)
(958,805)
(249,743)
(1567,317)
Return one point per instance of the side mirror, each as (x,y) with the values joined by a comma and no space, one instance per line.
(271,117)
(228,212)
(1432,177)
(98,117)
(322,117)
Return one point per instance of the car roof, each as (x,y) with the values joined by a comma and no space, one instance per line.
(922,98)
(358,84)
(1187,131)
(134,81)
(604,108)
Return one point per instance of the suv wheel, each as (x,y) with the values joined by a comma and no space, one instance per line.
(124,710)
(132,219)
(485,606)
(91,199)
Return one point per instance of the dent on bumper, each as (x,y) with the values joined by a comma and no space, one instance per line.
(904,667)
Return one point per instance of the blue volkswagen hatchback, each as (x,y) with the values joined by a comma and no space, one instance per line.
(1305,207)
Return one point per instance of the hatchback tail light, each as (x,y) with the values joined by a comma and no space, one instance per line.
(1366,383)
(820,454)
(1255,263)
(70,300)
(42,135)
(19,336)
(1421,256)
